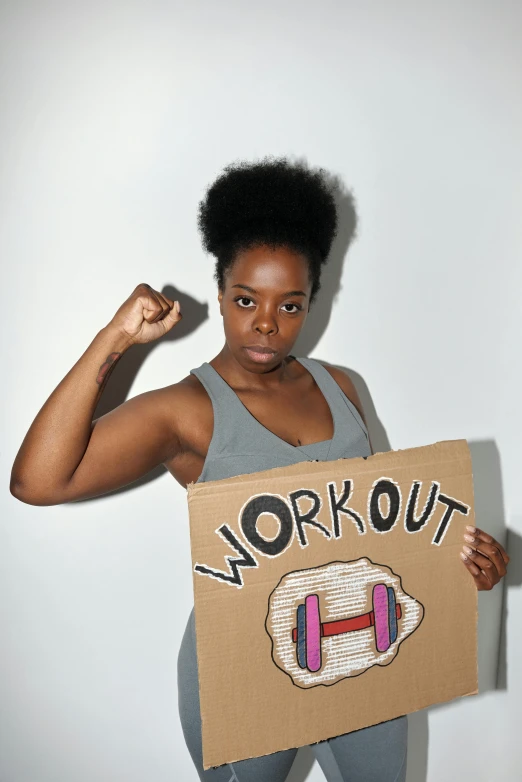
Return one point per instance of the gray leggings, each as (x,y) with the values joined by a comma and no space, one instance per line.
(376,754)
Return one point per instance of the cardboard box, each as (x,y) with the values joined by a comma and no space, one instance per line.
(330,596)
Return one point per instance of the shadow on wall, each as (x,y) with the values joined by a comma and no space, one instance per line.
(321,310)
(513,579)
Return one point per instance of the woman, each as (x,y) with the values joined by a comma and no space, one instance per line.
(253,406)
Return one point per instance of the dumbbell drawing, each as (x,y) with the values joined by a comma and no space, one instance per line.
(309,631)
(339,620)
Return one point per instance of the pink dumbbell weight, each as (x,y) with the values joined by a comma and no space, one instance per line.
(309,631)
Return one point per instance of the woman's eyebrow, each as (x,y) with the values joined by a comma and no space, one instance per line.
(252,290)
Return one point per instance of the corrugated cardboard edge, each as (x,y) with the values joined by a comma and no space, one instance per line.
(298,468)
(326,738)
(370,463)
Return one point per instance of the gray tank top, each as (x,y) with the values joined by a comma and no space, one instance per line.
(240,444)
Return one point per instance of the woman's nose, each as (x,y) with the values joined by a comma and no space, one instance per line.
(264,323)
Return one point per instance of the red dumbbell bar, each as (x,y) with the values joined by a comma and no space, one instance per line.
(347,625)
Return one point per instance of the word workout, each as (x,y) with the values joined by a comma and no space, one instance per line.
(385,508)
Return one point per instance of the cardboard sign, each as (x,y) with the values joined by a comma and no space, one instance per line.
(330,596)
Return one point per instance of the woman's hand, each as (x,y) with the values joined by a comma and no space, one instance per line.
(146,315)
(484,557)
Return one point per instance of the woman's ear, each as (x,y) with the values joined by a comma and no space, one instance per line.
(220,299)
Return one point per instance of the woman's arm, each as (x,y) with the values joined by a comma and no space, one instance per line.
(65,455)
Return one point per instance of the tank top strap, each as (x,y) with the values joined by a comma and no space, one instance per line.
(218,390)
(235,430)
(348,420)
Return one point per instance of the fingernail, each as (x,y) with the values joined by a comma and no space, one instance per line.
(468,550)
(176,307)
(471,529)
(469,538)
(463,557)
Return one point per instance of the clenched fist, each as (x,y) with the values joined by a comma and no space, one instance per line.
(146,315)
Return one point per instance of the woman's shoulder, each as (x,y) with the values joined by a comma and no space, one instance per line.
(188,392)
(174,405)
(344,381)
(184,404)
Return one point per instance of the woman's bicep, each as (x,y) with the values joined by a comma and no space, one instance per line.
(124,445)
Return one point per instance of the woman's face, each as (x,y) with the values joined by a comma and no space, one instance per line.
(264,305)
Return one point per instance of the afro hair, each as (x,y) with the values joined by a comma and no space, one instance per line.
(271,202)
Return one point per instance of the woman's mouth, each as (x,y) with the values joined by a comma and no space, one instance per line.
(260,354)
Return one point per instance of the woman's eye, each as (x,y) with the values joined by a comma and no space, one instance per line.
(241,301)
(245,302)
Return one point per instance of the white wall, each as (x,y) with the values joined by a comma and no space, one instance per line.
(114,119)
